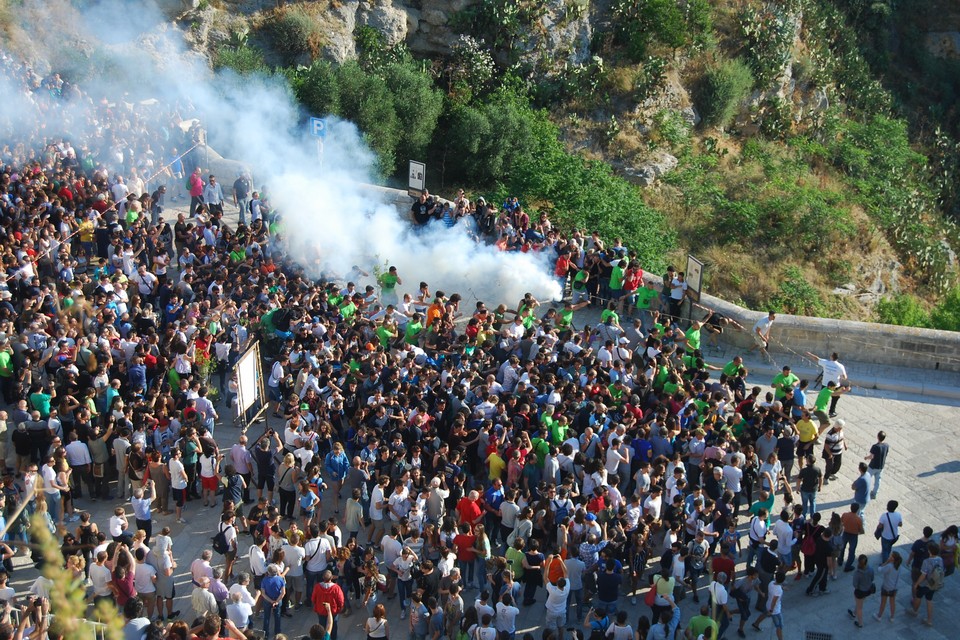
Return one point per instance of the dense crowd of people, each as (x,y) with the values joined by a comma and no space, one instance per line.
(474,464)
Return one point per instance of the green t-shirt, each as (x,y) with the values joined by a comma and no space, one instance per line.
(348,310)
(700,624)
(388,282)
(6,364)
(693,338)
(41,402)
(823,399)
(564,318)
(731,369)
(616,278)
(190,454)
(384,334)
(238,256)
(645,296)
(608,313)
(413,330)
(579,280)
(782,382)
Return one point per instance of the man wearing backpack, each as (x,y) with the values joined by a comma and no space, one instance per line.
(929,582)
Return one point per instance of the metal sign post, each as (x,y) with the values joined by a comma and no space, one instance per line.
(318,129)
(418,178)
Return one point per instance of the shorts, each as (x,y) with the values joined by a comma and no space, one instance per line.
(230,555)
(297,584)
(760,341)
(860,595)
(888,594)
(925,593)
(805,448)
(275,393)
(555,620)
(777,620)
(180,496)
(265,481)
(209,484)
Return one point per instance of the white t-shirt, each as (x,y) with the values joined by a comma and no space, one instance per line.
(557,598)
(784,533)
(116,525)
(177,480)
(774,591)
(833,371)
(315,552)
(100,576)
(762,325)
(507,618)
(293,556)
(891,523)
(143,577)
(376,496)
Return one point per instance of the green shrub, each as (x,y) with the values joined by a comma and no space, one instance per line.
(946,315)
(417,104)
(902,309)
(640,23)
(768,32)
(796,295)
(316,88)
(244,60)
(720,92)
(294,33)
(367,100)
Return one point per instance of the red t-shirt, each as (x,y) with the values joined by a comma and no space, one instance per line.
(468,510)
(464,543)
(722,564)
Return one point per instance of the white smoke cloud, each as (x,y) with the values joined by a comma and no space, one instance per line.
(331,221)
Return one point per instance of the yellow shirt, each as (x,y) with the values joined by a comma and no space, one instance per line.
(496,465)
(807,430)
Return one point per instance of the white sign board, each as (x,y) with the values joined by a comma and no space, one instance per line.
(418,176)
(318,128)
(694,277)
(248,379)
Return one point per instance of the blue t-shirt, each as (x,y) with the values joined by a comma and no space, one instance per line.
(272,587)
(861,490)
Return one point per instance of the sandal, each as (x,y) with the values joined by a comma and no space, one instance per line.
(755,627)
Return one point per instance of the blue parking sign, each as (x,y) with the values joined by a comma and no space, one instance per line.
(318,127)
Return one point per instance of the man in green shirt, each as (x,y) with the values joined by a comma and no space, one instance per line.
(784,381)
(414,328)
(691,336)
(578,289)
(704,624)
(616,279)
(823,401)
(733,367)
(40,399)
(388,286)
(385,333)
(6,372)
(645,297)
(348,310)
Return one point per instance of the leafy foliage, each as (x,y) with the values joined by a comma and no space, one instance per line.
(638,24)
(721,90)
(904,310)
(796,295)
(244,59)
(294,32)
(768,32)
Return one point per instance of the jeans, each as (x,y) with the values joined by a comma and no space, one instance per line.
(809,501)
(311,578)
(480,573)
(54,505)
(576,596)
(876,474)
(466,571)
(271,611)
(849,539)
(405,588)
(886,546)
(753,548)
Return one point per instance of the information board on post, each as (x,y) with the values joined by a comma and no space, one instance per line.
(418,178)
(694,278)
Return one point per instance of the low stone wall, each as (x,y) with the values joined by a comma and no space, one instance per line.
(861,341)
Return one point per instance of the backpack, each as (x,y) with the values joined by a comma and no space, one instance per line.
(935,579)
(220,544)
(561,513)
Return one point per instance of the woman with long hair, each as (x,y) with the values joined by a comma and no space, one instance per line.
(376,625)
(287,477)
(862,588)
(889,579)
